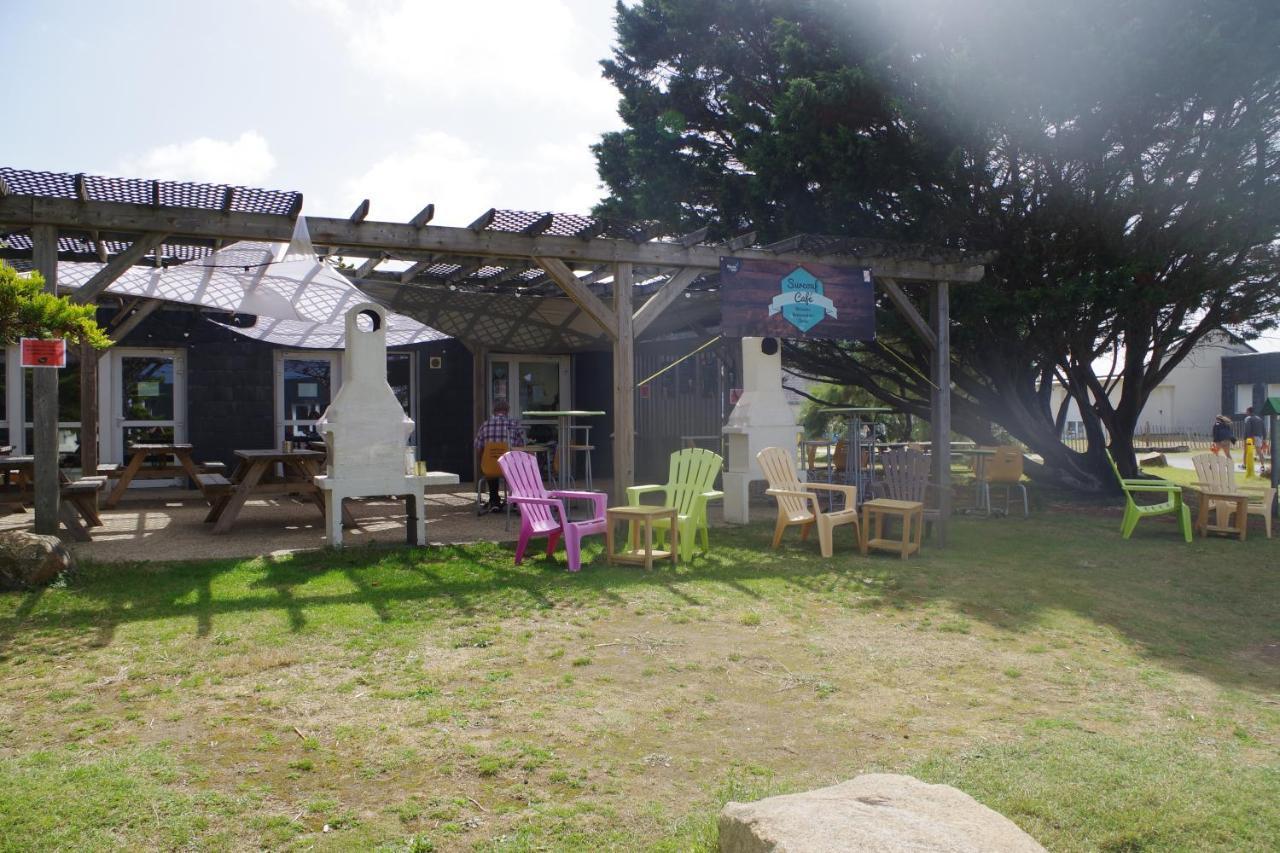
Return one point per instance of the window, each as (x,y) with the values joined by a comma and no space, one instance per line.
(400,374)
(1244,397)
(68,409)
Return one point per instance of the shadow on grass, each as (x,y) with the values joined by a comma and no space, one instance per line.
(1207,607)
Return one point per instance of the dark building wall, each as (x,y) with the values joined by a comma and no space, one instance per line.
(230,382)
(592,382)
(1256,369)
(444,416)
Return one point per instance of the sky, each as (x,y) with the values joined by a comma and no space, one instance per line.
(467,105)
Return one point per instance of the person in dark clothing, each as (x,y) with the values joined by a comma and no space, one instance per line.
(1222,436)
(501,429)
(1255,429)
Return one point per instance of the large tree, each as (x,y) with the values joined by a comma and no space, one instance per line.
(1120,157)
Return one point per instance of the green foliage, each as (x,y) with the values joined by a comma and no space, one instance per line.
(26,311)
(1121,158)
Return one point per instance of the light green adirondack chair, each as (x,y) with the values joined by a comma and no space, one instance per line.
(690,484)
(1135,512)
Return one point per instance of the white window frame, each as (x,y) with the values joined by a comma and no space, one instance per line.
(111,421)
(334,357)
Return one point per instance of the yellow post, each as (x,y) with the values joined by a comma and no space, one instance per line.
(1248,458)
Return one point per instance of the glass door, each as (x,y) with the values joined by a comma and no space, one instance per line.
(305,385)
(531,384)
(146,392)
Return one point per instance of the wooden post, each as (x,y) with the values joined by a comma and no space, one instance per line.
(89,456)
(44,252)
(941,408)
(624,386)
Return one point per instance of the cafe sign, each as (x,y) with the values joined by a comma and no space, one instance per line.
(764,298)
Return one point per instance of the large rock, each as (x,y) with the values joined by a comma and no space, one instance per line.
(871,813)
(29,560)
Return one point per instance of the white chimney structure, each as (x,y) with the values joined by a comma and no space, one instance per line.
(366,430)
(761,418)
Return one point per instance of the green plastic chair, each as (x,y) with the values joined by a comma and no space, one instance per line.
(1135,512)
(690,484)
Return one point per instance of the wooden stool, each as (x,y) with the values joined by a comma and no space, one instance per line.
(873,515)
(1240,515)
(637,516)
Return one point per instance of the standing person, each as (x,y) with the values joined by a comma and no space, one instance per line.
(498,428)
(1255,429)
(1223,438)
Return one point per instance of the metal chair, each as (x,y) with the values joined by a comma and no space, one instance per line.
(1004,468)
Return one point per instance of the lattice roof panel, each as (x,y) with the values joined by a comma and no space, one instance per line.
(140,191)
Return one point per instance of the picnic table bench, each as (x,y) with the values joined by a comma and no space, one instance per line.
(78,507)
(253,477)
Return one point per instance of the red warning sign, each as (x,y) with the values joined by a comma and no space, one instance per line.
(44,352)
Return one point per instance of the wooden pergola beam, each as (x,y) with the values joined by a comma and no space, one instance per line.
(908,310)
(668,293)
(117,266)
(624,385)
(405,242)
(591,304)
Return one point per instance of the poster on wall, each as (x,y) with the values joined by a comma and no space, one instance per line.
(764,298)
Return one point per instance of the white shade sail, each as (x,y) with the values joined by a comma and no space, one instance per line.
(299,300)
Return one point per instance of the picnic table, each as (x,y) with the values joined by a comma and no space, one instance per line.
(202,475)
(254,476)
(78,504)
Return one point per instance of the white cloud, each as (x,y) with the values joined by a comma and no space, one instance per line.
(245,160)
(463,181)
(495,52)
(435,167)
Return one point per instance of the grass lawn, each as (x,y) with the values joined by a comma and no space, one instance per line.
(1102,694)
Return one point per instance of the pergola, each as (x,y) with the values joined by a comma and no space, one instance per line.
(514,279)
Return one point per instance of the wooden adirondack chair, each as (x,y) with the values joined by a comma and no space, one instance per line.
(798,502)
(1135,512)
(906,478)
(1217,474)
(544,513)
(690,484)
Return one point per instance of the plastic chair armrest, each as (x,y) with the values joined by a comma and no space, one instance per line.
(599,499)
(712,495)
(634,493)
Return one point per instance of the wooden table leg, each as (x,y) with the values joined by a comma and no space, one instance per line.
(71,523)
(189,465)
(126,476)
(648,542)
(609,553)
(228,510)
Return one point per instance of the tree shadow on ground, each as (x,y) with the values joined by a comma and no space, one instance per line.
(1205,607)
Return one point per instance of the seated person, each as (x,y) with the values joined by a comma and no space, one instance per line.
(499,428)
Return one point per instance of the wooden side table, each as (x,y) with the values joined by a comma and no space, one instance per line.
(873,515)
(1241,514)
(640,517)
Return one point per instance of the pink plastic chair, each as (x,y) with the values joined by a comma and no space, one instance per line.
(539,508)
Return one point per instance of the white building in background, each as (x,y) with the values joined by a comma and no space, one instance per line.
(1188,399)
